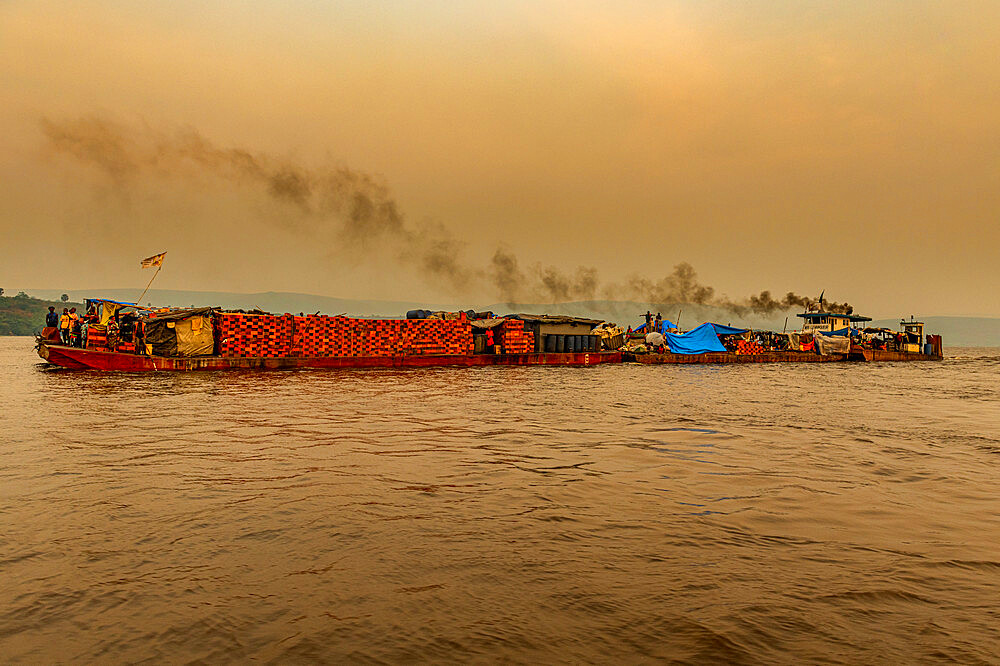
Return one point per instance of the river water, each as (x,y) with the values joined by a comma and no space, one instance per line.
(758,513)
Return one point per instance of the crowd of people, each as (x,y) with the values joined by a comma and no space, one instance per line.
(73,329)
(71,325)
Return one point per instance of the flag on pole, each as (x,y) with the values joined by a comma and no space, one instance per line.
(155,260)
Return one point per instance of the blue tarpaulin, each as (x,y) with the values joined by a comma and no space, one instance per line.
(728,330)
(699,341)
(667,324)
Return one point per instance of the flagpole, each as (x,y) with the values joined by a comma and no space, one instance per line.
(139,300)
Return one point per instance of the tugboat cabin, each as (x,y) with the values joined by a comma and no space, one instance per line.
(828,322)
(913,335)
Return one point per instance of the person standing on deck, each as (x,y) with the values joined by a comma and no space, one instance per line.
(52,318)
(64,326)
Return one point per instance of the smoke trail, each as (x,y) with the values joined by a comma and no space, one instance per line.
(541,284)
(683,286)
(357,208)
(357,212)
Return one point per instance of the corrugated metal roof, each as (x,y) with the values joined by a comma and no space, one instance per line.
(555,319)
(851,317)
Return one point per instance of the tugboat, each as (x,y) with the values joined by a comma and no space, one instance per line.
(822,321)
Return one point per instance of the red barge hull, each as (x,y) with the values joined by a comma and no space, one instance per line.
(90,359)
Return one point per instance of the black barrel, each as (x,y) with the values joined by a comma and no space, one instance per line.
(550,344)
(560,343)
(574,341)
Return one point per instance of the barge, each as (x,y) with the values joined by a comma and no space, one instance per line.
(126,337)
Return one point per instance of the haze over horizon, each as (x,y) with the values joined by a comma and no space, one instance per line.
(784,147)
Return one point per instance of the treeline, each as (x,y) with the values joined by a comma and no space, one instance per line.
(24,315)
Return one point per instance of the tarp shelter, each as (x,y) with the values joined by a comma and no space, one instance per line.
(108,308)
(698,341)
(832,344)
(181,333)
(664,327)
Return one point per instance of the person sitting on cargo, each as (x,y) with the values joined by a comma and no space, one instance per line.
(52,318)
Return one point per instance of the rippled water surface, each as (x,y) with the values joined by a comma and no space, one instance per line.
(622,513)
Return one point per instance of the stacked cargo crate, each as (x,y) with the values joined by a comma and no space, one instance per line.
(515,339)
(97,337)
(316,335)
(240,334)
(748,347)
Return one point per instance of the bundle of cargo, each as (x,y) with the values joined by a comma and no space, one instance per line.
(612,336)
(97,337)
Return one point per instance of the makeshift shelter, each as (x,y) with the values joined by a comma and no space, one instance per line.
(108,308)
(698,341)
(832,344)
(181,333)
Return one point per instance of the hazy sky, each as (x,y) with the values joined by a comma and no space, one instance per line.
(847,146)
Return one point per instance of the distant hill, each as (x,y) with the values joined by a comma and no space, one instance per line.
(957,331)
(23,315)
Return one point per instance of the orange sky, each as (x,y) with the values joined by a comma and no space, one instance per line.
(783,145)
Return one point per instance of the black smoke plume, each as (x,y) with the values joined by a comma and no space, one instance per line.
(357,212)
